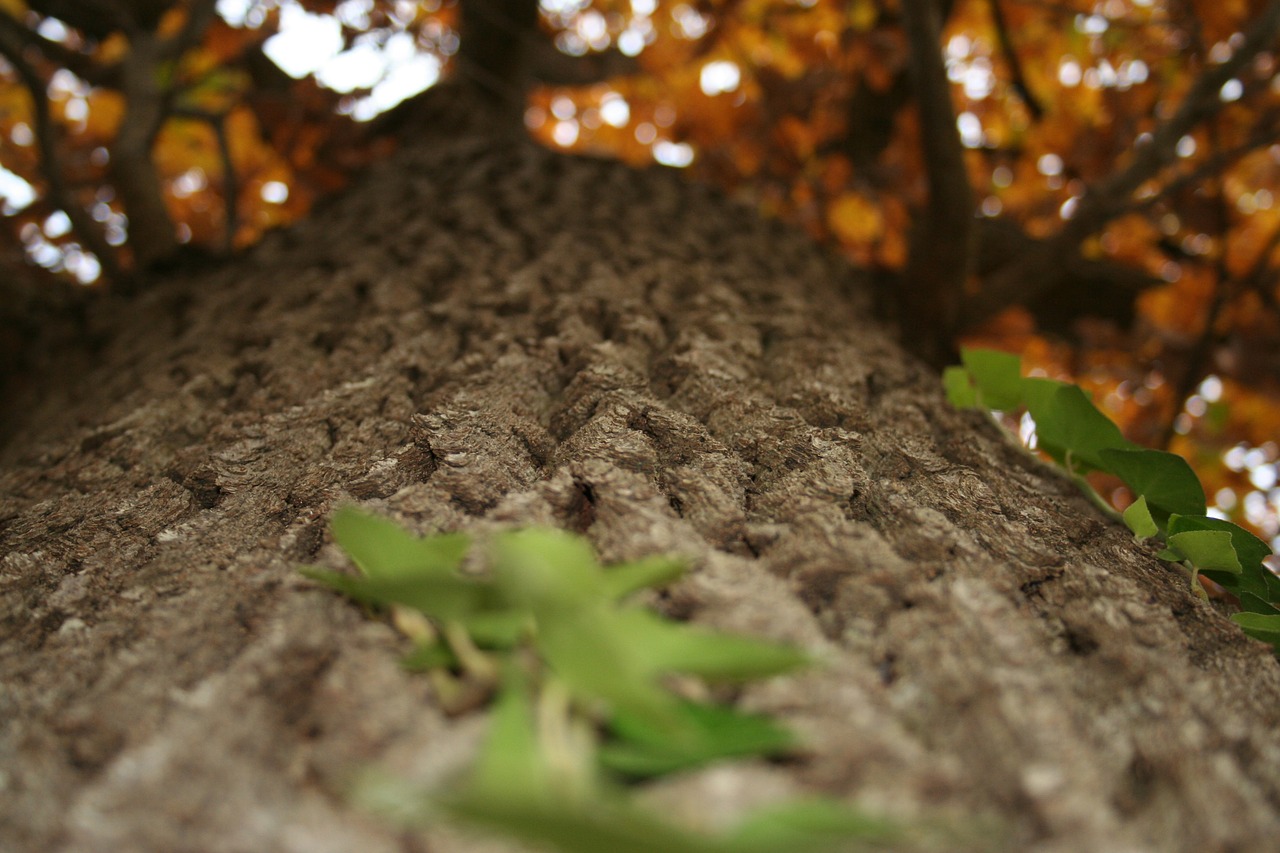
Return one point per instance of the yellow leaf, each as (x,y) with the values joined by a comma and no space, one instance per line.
(855,219)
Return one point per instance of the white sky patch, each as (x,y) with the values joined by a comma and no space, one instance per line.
(615,111)
(361,67)
(719,77)
(1231,90)
(274,192)
(1049,164)
(1070,73)
(970,127)
(305,42)
(691,23)
(678,154)
(17,193)
(57,224)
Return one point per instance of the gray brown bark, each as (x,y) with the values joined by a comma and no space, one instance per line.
(484,334)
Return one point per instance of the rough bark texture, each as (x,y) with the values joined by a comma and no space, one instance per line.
(483,335)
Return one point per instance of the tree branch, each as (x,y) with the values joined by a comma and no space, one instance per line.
(46,132)
(1017,79)
(940,255)
(1028,277)
(77,63)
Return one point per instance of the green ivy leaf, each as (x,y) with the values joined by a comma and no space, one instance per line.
(1260,627)
(1254,604)
(1067,423)
(998,376)
(1164,479)
(1250,552)
(1208,550)
(958,384)
(711,733)
(1138,519)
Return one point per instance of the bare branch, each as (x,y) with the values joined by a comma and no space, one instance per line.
(1017,79)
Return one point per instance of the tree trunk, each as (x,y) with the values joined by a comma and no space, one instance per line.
(484,334)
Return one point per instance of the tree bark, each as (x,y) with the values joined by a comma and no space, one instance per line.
(484,334)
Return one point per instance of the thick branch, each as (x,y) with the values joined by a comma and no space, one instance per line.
(940,255)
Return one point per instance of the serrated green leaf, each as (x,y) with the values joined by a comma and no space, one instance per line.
(958,384)
(591,651)
(810,826)
(1171,556)
(429,656)
(547,570)
(1164,479)
(1138,519)
(1207,550)
(1260,626)
(441,597)
(998,376)
(710,733)
(669,647)
(1068,425)
(622,579)
(383,549)
(593,827)
(511,765)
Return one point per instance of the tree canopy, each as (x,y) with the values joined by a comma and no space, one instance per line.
(1090,184)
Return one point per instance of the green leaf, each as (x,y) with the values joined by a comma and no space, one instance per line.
(809,826)
(667,647)
(958,384)
(1259,626)
(1207,550)
(1138,519)
(1164,479)
(429,656)
(622,579)
(709,733)
(511,765)
(998,376)
(385,550)
(548,571)
(442,597)
(591,651)
(1254,604)
(1250,552)
(1068,424)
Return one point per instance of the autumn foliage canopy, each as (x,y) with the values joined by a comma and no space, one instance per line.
(1092,184)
